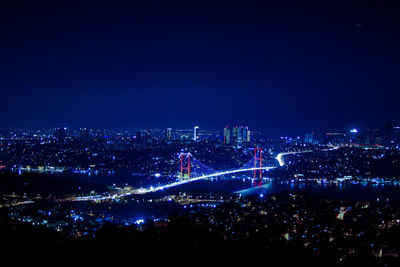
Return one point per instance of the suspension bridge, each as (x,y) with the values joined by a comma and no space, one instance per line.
(194,170)
(191,170)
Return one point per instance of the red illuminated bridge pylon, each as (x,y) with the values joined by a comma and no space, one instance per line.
(185,168)
(258,161)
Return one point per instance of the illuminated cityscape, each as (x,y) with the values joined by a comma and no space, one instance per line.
(77,181)
(200,133)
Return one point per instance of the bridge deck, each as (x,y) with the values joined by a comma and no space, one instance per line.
(140,191)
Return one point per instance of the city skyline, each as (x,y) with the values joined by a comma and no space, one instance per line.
(221,129)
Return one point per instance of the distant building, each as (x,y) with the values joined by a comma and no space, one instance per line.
(227,135)
(237,135)
(240,136)
(309,138)
(196,133)
(243,134)
(169,134)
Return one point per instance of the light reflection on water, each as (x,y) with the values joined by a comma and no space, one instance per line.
(342,190)
(246,186)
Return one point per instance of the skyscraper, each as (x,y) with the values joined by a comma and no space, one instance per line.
(309,138)
(245,134)
(169,134)
(227,135)
(235,133)
(238,135)
(196,133)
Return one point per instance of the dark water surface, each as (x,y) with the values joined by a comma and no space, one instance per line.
(243,186)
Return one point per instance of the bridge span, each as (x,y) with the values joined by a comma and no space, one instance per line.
(141,191)
(279,158)
(151,189)
(185,181)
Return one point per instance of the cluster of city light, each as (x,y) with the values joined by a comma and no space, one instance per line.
(280,155)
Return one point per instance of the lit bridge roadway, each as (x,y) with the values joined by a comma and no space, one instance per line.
(279,158)
(153,189)
(141,191)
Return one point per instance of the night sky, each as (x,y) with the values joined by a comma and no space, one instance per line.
(277,66)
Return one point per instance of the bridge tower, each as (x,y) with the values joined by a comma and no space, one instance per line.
(183,158)
(258,161)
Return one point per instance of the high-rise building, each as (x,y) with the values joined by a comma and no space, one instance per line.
(196,133)
(309,138)
(240,136)
(245,133)
(169,134)
(235,133)
(227,135)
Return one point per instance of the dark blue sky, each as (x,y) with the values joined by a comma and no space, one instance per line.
(278,66)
